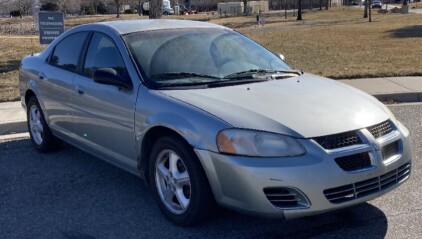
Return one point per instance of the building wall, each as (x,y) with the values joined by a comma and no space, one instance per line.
(230,8)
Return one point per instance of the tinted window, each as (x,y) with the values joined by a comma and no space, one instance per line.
(66,53)
(103,53)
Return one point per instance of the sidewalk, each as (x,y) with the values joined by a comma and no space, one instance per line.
(403,89)
(12,118)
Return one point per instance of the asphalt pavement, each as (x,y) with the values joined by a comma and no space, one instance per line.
(73,195)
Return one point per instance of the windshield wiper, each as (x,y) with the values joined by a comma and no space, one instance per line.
(176,75)
(250,73)
(234,81)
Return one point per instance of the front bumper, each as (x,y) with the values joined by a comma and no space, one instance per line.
(239,182)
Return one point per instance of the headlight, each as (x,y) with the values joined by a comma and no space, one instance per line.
(256,143)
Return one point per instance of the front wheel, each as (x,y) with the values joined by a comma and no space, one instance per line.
(179,183)
(41,136)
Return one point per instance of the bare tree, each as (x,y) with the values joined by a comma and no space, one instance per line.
(71,6)
(299,10)
(365,11)
(139,7)
(118,3)
(155,9)
(6,6)
(24,6)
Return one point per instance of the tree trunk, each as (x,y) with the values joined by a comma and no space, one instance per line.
(370,10)
(365,12)
(320,4)
(326,5)
(139,8)
(299,10)
(117,7)
(155,9)
(245,2)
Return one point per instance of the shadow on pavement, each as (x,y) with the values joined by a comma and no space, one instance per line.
(71,194)
(407,32)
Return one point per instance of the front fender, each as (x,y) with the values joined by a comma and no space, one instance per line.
(196,126)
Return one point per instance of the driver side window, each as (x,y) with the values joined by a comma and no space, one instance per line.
(103,53)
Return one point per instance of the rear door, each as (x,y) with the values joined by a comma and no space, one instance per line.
(104,114)
(56,78)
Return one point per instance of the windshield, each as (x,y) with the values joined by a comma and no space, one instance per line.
(198,56)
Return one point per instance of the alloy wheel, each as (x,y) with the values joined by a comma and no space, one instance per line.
(172,181)
(35,124)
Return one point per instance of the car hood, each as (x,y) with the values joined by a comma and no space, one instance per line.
(305,106)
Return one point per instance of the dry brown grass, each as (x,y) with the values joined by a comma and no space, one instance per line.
(415,5)
(337,43)
(388,46)
(75,21)
(14,48)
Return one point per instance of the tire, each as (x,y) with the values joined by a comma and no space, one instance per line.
(182,191)
(39,131)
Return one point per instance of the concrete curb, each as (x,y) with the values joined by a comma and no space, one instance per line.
(13,127)
(14,136)
(401,97)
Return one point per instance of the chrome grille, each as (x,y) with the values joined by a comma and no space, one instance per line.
(338,140)
(286,198)
(381,129)
(367,187)
(354,162)
(390,150)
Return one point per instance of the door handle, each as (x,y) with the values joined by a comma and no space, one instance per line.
(41,75)
(80,90)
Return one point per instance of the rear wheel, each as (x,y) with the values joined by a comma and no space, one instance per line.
(41,136)
(178,182)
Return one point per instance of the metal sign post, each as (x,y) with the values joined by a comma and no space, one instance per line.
(51,25)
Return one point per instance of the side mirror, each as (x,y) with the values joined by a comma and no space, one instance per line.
(109,76)
(281,56)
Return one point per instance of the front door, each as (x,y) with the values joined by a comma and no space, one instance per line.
(104,114)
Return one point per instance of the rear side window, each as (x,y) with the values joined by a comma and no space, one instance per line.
(103,53)
(66,53)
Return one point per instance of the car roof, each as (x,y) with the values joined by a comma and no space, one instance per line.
(130,26)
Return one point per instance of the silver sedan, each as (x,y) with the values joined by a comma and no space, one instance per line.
(209,117)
